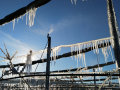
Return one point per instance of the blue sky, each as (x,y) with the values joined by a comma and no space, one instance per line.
(70,24)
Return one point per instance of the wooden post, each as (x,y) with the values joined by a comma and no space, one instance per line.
(113,30)
(48,62)
(94,79)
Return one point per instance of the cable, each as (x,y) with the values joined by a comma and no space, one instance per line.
(41,56)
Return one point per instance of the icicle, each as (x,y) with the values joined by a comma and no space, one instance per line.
(96,69)
(77,60)
(77,52)
(31,15)
(26,18)
(17,20)
(22,17)
(72,53)
(84,59)
(96,50)
(112,43)
(84,0)
(93,44)
(110,52)
(100,69)
(55,52)
(116,64)
(13,24)
(74,1)
(80,56)
(105,53)
(26,86)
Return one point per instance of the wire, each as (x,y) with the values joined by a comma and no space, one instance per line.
(41,56)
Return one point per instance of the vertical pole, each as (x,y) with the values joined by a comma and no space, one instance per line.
(114,33)
(94,79)
(48,62)
(113,30)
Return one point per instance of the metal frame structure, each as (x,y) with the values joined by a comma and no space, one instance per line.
(65,79)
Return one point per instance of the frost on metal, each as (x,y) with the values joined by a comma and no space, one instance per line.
(113,27)
(109,19)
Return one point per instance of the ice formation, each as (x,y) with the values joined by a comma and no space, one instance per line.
(54,52)
(99,69)
(29,63)
(74,1)
(13,24)
(112,31)
(112,18)
(80,46)
(110,21)
(26,86)
(30,16)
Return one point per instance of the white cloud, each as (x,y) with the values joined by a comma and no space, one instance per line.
(14,44)
(69,21)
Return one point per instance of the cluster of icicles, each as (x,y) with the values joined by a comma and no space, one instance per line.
(75,48)
(30,16)
(75,1)
(81,46)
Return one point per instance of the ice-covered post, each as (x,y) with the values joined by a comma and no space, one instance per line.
(48,62)
(113,27)
(94,78)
